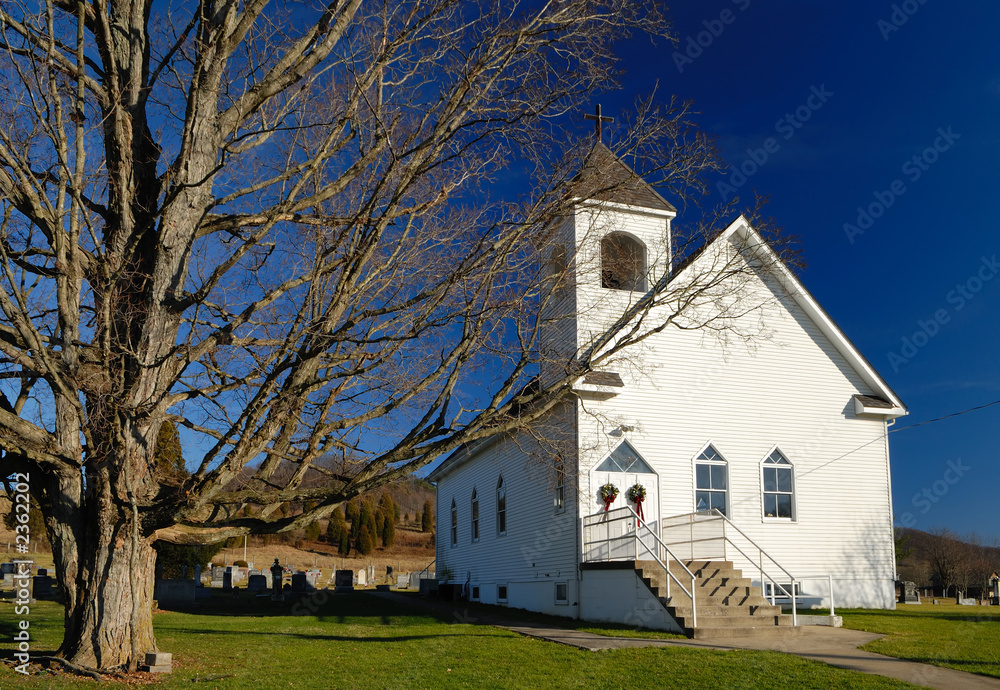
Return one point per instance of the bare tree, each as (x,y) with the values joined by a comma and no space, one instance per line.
(290,232)
(946,558)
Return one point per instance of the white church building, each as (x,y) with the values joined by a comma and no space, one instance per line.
(760,446)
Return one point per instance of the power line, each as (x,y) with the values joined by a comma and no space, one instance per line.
(947,416)
(903,428)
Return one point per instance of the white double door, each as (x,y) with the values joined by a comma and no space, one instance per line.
(650,512)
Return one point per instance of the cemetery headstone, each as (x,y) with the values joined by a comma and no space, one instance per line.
(257,583)
(403,581)
(299,583)
(908,593)
(227,580)
(276,573)
(343,581)
(42,585)
(312,577)
(218,572)
(197,576)
(362,577)
(175,592)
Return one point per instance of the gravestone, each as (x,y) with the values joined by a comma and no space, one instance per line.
(362,577)
(908,593)
(403,581)
(7,568)
(299,582)
(257,583)
(343,581)
(967,602)
(276,574)
(227,580)
(42,585)
(218,573)
(197,576)
(175,592)
(312,577)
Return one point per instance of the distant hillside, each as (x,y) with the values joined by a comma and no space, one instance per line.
(946,560)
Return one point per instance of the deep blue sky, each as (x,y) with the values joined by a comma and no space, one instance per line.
(892,90)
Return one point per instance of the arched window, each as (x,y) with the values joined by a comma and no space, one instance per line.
(623,263)
(454,523)
(779,487)
(559,495)
(475,516)
(711,482)
(501,507)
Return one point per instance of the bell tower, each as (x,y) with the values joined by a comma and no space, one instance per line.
(607,254)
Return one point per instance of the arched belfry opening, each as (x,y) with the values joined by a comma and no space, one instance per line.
(623,263)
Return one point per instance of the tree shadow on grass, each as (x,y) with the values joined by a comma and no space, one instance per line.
(325,605)
(326,638)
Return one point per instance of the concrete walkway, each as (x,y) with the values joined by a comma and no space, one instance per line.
(834,646)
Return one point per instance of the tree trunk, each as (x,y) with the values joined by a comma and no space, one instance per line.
(109,621)
(111,627)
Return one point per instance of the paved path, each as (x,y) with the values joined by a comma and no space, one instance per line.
(834,646)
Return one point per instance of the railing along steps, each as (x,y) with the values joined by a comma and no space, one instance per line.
(728,603)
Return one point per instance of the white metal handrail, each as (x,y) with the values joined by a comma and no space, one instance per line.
(714,515)
(607,517)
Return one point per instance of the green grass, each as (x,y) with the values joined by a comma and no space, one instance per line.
(358,640)
(966,638)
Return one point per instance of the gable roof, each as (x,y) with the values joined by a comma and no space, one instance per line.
(741,230)
(604,177)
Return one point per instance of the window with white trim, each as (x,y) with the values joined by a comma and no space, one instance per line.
(501,507)
(475,516)
(562,593)
(623,262)
(711,481)
(454,523)
(559,494)
(778,486)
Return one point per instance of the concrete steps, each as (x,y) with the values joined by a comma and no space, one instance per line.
(728,605)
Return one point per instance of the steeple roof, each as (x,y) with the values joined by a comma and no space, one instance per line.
(605,177)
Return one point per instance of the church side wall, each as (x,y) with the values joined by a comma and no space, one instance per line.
(539,548)
(793,391)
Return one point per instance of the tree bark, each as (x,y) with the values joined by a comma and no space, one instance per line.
(109,620)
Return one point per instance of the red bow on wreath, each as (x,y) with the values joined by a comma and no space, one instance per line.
(638,509)
(608,500)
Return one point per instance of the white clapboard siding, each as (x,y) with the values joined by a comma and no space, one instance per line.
(793,391)
(540,546)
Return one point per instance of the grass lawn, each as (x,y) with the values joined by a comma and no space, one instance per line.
(357,640)
(966,638)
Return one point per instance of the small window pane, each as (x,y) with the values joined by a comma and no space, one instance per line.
(704,476)
(703,501)
(784,479)
(784,505)
(719,477)
(770,479)
(719,501)
(770,505)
